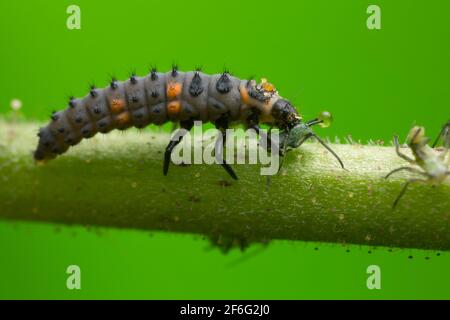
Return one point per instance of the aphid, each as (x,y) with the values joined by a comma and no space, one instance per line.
(180,97)
(444,135)
(296,136)
(433,165)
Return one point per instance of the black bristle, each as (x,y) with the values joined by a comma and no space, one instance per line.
(133,78)
(224,84)
(155,94)
(54,116)
(114,84)
(134,99)
(72,102)
(196,86)
(61,130)
(153,74)
(93,91)
(174,70)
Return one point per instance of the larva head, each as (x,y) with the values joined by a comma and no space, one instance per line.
(285,114)
(274,109)
(416,137)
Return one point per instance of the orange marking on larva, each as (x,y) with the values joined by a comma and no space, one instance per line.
(123,118)
(117,105)
(173,107)
(173,90)
(267,86)
(244,96)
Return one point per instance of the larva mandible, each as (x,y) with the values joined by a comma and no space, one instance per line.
(175,96)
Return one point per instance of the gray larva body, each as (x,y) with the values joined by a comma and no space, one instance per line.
(158,98)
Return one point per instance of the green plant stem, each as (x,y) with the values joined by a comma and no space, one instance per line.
(116,180)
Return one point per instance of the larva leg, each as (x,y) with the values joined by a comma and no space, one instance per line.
(185,127)
(282,152)
(267,140)
(222,125)
(268,148)
(401,155)
(253,123)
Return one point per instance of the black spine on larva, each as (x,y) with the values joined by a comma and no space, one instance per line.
(196,88)
(133,79)
(93,91)
(153,74)
(72,102)
(224,84)
(174,71)
(113,83)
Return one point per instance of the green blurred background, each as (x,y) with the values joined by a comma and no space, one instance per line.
(319,54)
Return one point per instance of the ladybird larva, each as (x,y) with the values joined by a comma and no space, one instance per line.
(182,97)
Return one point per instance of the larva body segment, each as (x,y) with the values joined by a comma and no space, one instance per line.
(137,102)
(155,88)
(97,110)
(160,97)
(195,93)
(119,106)
(224,96)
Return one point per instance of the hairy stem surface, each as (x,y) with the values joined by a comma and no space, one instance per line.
(116,180)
